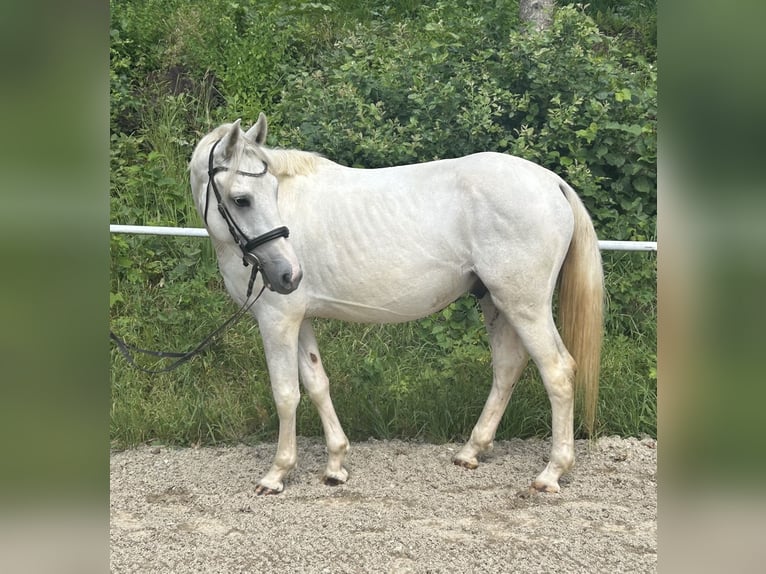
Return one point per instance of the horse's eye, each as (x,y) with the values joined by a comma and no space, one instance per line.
(241,201)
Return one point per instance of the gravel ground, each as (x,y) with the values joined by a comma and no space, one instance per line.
(405,508)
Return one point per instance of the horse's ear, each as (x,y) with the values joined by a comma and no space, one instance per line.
(229,141)
(257,133)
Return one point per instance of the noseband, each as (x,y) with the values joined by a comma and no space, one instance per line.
(245,243)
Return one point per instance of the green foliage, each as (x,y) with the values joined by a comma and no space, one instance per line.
(402,92)
(633,21)
(588,112)
(371,84)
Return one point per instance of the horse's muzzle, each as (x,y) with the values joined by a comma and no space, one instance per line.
(282,277)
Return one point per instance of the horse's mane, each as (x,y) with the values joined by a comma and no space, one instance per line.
(288,162)
(281,162)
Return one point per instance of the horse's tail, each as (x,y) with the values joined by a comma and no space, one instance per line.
(581,306)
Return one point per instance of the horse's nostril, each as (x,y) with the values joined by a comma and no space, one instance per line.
(287,281)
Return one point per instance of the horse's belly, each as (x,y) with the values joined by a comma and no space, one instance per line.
(388,300)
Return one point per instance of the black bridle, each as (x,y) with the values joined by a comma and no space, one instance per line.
(245,243)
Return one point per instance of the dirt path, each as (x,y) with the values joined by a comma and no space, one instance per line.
(406,508)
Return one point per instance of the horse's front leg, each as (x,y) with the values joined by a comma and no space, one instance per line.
(317,385)
(280,343)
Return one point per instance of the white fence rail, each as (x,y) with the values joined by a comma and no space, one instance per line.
(152,230)
(202,232)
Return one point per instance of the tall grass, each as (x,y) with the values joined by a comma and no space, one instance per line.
(387,381)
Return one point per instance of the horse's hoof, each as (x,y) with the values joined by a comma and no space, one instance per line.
(332,481)
(261,490)
(469,464)
(335,478)
(539,486)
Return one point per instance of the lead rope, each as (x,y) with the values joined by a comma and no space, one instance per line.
(128,351)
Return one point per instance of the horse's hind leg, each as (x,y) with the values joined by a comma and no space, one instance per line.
(317,386)
(508,361)
(538,332)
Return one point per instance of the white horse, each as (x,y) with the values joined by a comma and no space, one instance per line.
(396,244)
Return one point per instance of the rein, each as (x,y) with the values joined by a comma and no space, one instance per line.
(128,351)
(245,243)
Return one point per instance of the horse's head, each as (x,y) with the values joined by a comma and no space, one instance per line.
(237,197)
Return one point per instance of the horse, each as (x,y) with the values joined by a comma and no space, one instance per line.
(396,244)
